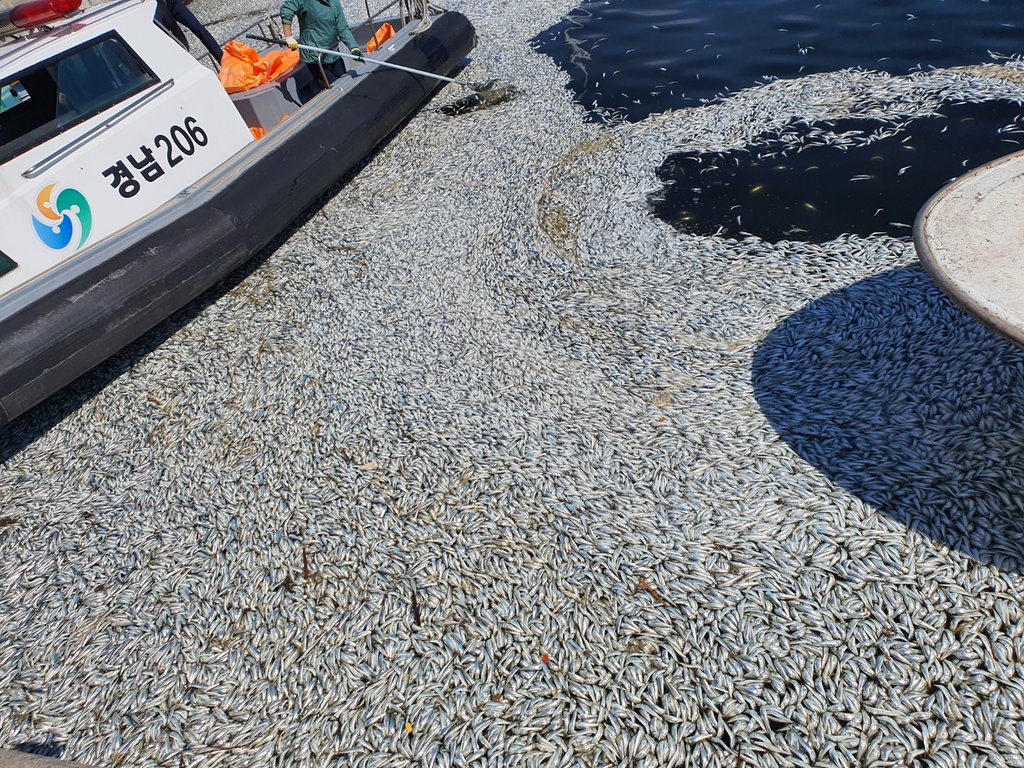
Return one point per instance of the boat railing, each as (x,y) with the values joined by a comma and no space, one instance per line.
(404,11)
(88,12)
(120,116)
(407,12)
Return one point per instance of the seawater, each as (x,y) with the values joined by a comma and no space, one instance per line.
(631,58)
(823,190)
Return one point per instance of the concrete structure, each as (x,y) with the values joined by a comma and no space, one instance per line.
(970,238)
(9,759)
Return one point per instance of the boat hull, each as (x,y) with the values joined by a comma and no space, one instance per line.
(67,331)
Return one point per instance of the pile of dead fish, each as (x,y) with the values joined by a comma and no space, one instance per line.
(484,465)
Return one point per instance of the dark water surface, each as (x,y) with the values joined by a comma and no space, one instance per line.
(638,57)
(633,58)
(822,190)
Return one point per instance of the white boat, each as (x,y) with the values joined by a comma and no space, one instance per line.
(131,181)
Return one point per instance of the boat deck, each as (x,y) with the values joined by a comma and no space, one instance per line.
(971,240)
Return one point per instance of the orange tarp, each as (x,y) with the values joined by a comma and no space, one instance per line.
(242,69)
(381,36)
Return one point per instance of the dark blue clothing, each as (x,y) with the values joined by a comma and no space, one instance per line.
(170,12)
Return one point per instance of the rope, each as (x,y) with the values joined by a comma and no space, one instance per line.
(425,22)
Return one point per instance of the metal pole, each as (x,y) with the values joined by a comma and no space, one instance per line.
(377,62)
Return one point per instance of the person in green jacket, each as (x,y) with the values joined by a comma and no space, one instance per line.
(321,24)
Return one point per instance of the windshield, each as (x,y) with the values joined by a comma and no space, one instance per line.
(38,103)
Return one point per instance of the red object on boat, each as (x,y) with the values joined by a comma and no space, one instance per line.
(39,12)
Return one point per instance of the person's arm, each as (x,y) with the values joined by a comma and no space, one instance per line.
(289,8)
(344,33)
(166,20)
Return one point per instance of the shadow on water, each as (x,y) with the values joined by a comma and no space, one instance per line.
(39,747)
(896,395)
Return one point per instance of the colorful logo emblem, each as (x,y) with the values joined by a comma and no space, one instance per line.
(63,218)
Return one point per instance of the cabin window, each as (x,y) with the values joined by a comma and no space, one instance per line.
(38,103)
(6,264)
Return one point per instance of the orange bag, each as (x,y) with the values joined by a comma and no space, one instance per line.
(278,62)
(242,69)
(238,67)
(381,36)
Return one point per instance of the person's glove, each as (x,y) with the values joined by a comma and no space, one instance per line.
(292,43)
(358,54)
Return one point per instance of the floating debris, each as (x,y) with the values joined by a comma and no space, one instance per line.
(487,95)
(654,593)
